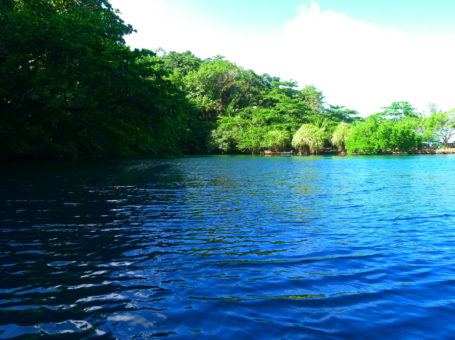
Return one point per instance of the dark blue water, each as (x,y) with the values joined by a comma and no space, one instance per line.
(229,248)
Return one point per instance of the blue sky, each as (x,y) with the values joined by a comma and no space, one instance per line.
(361,54)
(410,15)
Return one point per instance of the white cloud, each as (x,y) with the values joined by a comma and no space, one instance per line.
(354,63)
(173,25)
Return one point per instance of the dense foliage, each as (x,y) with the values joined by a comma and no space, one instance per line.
(383,135)
(341,134)
(309,139)
(441,126)
(401,129)
(71,88)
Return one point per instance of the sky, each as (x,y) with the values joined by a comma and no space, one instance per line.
(361,54)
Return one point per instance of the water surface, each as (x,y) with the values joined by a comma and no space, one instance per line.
(229,247)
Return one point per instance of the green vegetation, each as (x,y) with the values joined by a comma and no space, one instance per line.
(341,135)
(376,135)
(441,126)
(309,139)
(71,88)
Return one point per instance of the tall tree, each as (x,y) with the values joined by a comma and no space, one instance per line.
(71,88)
(182,63)
(399,110)
(442,126)
(341,135)
(313,98)
(376,135)
(337,113)
(219,87)
(309,139)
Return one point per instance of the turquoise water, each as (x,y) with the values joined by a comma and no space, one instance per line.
(229,247)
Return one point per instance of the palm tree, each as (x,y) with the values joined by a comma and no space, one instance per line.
(309,139)
(341,135)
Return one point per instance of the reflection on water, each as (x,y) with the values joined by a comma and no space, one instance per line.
(224,247)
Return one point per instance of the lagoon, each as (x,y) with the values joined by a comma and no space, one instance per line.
(229,247)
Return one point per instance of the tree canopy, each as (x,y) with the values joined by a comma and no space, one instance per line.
(341,134)
(442,126)
(70,87)
(309,139)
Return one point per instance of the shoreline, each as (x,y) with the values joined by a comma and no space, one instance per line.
(448,151)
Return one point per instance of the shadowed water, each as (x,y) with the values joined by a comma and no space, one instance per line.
(229,247)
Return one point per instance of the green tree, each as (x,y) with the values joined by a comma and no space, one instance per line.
(276,140)
(309,139)
(442,126)
(252,139)
(403,137)
(71,88)
(181,63)
(383,135)
(282,108)
(313,98)
(399,110)
(362,137)
(219,87)
(340,114)
(341,135)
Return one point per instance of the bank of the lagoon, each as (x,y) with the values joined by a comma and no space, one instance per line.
(331,152)
(448,151)
(229,247)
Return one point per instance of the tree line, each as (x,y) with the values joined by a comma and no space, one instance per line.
(398,128)
(71,88)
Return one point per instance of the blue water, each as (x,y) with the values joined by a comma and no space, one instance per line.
(229,248)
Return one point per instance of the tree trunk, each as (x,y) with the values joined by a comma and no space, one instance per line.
(342,149)
(305,150)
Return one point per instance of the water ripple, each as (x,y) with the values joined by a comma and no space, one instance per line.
(229,247)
